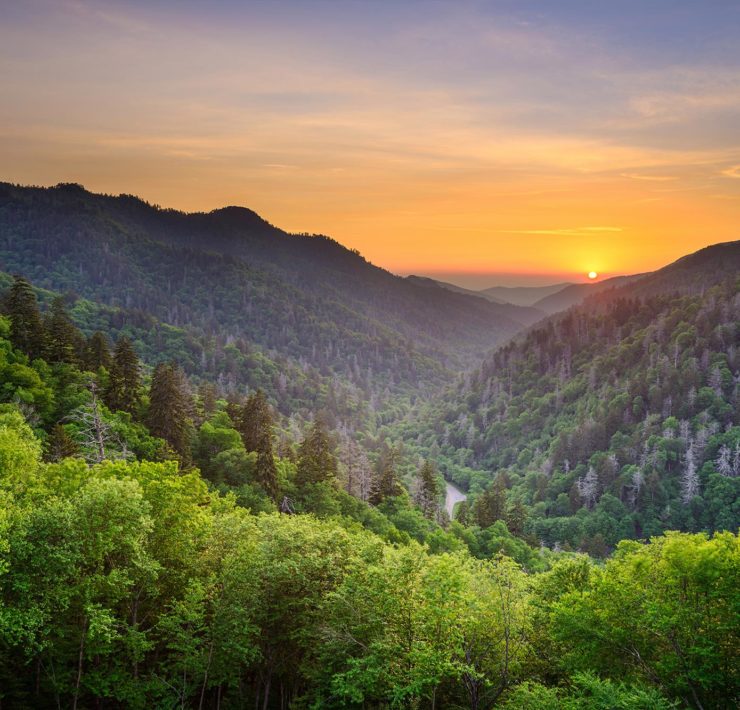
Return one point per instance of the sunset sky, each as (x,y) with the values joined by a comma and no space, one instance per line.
(477,141)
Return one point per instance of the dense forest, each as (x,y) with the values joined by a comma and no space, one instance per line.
(617,419)
(237,289)
(222,483)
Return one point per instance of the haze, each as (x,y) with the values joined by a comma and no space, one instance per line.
(528,142)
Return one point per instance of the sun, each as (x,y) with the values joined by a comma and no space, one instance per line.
(592,275)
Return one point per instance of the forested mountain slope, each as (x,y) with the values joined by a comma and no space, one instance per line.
(616,419)
(238,281)
(573,294)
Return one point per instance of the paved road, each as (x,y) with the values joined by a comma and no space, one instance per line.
(453,495)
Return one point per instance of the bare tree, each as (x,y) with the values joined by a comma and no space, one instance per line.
(689,476)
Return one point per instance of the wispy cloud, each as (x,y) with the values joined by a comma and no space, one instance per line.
(654,178)
(564,232)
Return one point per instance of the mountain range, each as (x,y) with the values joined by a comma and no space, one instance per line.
(246,303)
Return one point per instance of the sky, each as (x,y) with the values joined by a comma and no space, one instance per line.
(508,142)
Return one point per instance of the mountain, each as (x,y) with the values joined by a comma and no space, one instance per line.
(619,418)
(518,313)
(523,295)
(577,293)
(244,289)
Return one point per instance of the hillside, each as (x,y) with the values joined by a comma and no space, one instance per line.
(573,294)
(519,313)
(241,287)
(619,418)
(523,295)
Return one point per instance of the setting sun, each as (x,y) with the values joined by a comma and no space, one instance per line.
(592,275)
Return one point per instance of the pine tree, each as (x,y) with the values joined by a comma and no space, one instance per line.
(123,391)
(208,398)
(386,483)
(427,492)
(60,445)
(316,461)
(63,340)
(490,505)
(26,328)
(169,409)
(516,517)
(250,419)
(97,353)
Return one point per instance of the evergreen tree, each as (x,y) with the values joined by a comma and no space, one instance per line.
(386,483)
(252,418)
(427,493)
(490,505)
(60,445)
(97,353)
(123,391)
(63,340)
(26,329)
(316,461)
(169,409)
(516,517)
(208,398)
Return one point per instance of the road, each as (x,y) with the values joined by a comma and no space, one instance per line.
(453,495)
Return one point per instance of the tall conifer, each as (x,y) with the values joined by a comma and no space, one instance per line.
(123,391)
(26,328)
(97,352)
(63,340)
(169,409)
(316,461)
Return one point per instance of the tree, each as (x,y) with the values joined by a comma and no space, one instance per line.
(588,488)
(386,483)
(254,422)
(123,392)
(689,476)
(266,470)
(427,493)
(516,517)
(97,352)
(169,409)
(316,461)
(26,330)
(251,419)
(490,505)
(358,480)
(63,340)
(60,445)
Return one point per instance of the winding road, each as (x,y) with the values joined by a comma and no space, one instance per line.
(453,496)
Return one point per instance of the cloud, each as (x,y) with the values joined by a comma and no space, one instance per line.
(565,232)
(732,172)
(656,178)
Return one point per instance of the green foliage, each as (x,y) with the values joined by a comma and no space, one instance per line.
(141,587)
(607,420)
(316,460)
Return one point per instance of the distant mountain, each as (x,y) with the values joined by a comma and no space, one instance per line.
(523,295)
(243,289)
(574,294)
(520,314)
(617,418)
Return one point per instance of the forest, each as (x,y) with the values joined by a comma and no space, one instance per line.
(244,513)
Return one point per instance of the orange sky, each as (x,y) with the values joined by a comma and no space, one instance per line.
(452,140)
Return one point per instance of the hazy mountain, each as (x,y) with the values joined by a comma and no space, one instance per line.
(523,295)
(574,294)
(521,314)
